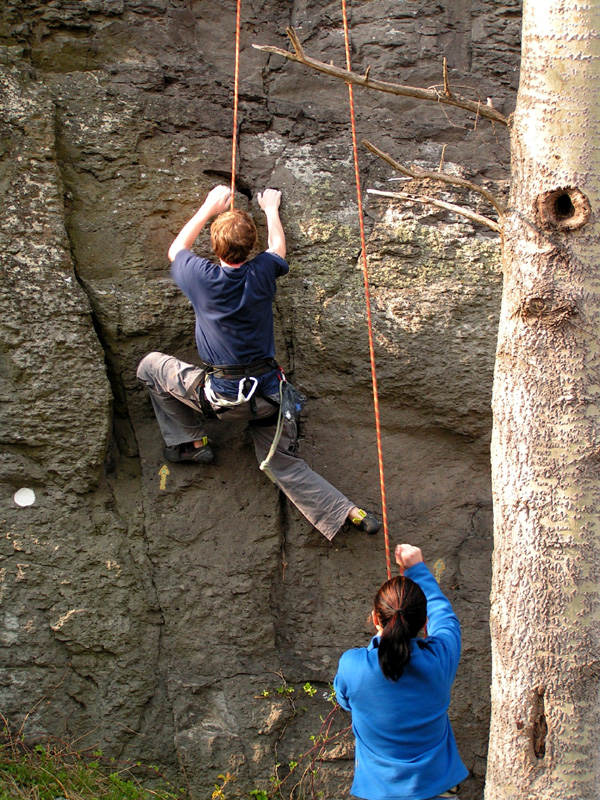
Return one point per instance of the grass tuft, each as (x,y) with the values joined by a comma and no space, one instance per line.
(55,771)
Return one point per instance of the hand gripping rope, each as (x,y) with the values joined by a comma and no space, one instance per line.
(388,559)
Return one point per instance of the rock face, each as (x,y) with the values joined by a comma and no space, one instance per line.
(156,612)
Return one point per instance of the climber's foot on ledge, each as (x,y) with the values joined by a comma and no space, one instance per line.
(364,520)
(189,453)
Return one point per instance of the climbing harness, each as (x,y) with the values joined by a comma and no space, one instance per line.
(247,376)
(197,386)
(291,401)
(231,372)
(367,297)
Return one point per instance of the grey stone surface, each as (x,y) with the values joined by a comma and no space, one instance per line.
(155,613)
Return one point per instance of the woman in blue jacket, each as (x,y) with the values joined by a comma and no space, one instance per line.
(398,690)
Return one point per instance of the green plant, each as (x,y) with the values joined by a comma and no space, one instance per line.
(55,769)
(297,779)
(285,690)
(218,793)
(259,794)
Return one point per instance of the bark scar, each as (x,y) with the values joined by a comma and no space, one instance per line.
(540,726)
(543,311)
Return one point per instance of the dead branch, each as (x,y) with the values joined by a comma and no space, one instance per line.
(436,176)
(423,198)
(447,98)
(442,159)
(447,91)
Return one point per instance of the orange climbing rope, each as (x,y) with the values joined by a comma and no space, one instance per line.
(388,559)
(236,81)
(363,245)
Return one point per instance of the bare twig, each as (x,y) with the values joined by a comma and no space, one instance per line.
(447,91)
(442,159)
(42,698)
(437,176)
(348,76)
(423,198)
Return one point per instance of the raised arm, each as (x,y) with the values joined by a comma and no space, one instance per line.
(442,622)
(269,202)
(217,201)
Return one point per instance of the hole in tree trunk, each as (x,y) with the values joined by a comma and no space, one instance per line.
(563,209)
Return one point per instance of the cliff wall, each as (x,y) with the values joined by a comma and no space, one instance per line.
(155,611)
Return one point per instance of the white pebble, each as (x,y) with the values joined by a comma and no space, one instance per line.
(24,497)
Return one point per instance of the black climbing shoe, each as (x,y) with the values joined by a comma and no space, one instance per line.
(187,453)
(366,521)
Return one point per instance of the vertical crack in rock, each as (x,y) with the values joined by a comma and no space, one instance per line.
(111,361)
(283,529)
(277,593)
(287,333)
(115,457)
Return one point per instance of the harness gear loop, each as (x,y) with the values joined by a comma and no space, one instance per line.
(367,298)
(246,388)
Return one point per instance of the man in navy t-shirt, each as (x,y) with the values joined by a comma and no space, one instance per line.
(239,380)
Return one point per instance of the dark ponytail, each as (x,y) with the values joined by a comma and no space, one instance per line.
(401,608)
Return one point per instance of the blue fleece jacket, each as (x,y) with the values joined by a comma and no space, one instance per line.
(405,747)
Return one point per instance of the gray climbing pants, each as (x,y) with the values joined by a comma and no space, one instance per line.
(179,415)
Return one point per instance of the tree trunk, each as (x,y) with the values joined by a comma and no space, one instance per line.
(545,727)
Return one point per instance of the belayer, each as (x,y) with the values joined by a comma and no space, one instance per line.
(239,378)
(398,691)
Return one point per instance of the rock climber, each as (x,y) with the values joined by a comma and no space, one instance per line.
(398,691)
(239,378)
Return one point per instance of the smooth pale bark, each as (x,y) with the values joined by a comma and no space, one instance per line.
(545,727)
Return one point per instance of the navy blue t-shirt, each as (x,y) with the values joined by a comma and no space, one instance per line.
(234,311)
